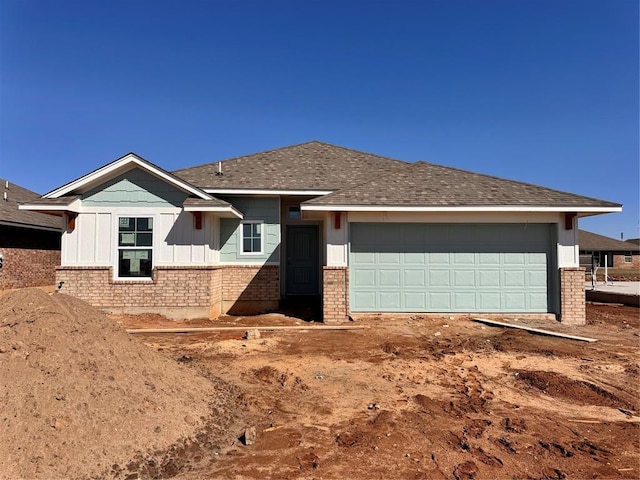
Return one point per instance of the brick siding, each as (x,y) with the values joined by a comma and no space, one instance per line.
(572,296)
(26,267)
(618,262)
(178,291)
(335,296)
(250,289)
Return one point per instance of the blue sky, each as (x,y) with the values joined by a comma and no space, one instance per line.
(540,91)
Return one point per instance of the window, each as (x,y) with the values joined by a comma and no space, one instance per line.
(252,238)
(294,212)
(628,257)
(135,242)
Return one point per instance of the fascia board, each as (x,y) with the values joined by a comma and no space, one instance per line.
(122,164)
(383,208)
(249,191)
(228,210)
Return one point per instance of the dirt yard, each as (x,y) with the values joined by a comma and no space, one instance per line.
(422,398)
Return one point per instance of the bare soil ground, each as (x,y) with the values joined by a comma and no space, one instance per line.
(80,398)
(415,397)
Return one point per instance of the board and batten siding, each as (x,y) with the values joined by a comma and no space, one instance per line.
(265,209)
(94,241)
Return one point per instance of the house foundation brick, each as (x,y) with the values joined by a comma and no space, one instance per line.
(572,296)
(335,296)
(177,292)
(251,289)
(28,267)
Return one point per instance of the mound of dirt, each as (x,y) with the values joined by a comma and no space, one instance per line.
(82,398)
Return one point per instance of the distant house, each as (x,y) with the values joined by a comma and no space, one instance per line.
(29,241)
(362,232)
(634,241)
(607,251)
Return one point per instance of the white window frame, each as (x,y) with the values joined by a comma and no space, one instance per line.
(118,247)
(263,234)
(628,257)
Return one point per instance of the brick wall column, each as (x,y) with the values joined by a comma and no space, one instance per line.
(335,294)
(572,296)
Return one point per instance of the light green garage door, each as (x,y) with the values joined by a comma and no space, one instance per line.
(411,267)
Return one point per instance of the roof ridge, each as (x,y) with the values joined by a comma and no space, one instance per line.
(247,155)
(514,181)
(287,147)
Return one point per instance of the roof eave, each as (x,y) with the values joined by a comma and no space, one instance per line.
(223,211)
(582,211)
(121,165)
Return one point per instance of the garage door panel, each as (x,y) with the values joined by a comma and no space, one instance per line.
(488,258)
(514,278)
(514,259)
(464,302)
(440,302)
(364,277)
(538,279)
(515,301)
(389,258)
(538,301)
(465,258)
(414,277)
(488,278)
(415,258)
(490,302)
(363,258)
(389,278)
(439,278)
(389,301)
(464,278)
(363,301)
(445,268)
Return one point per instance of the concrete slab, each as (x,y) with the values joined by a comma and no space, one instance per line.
(626,288)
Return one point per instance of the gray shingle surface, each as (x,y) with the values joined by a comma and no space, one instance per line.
(593,241)
(201,202)
(308,166)
(9,212)
(427,184)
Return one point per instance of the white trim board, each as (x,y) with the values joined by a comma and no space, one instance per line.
(249,191)
(385,208)
(130,160)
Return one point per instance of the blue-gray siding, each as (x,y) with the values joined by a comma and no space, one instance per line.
(266,209)
(451,267)
(135,188)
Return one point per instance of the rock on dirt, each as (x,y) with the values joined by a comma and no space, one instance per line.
(81,398)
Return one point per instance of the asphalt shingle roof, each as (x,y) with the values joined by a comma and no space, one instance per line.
(308,166)
(9,213)
(427,184)
(201,202)
(594,242)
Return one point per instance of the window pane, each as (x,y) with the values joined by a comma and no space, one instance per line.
(246,230)
(127,239)
(256,229)
(246,245)
(127,224)
(256,244)
(134,263)
(144,239)
(144,224)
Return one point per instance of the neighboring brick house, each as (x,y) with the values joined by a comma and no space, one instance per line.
(601,249)
(29,241)
(365,232)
